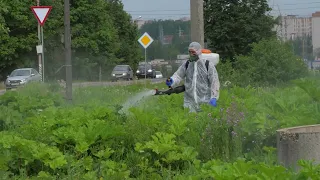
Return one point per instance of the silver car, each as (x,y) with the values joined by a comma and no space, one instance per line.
(159,74)
(122,72)
(20,77)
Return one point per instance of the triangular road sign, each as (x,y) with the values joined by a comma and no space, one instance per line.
(41,13)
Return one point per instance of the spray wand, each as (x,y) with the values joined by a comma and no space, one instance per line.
(171,90)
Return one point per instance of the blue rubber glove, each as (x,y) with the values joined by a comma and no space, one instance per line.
(213,102)
(169,82)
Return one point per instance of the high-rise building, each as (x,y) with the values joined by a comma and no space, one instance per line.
(316,33)
(292,26)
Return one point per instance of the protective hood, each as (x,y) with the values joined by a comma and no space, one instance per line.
(196,47)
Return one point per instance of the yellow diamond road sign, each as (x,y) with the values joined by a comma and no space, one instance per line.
(145,40)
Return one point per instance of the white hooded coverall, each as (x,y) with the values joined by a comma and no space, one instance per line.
(200,85)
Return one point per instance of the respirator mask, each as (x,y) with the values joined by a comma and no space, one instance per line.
(193,56)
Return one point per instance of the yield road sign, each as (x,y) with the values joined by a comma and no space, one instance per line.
(145,40)
(41,13)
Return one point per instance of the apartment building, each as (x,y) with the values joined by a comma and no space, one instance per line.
(140,23)
(316,33)
(292,26)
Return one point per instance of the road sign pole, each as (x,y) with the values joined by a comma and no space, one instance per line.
(145,67)
(41,13)
(39,41)
(42,43)
(145,40)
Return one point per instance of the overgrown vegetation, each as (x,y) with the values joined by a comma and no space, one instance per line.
(43,136)
(264,87)
(271,62)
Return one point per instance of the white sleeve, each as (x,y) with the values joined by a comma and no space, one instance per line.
(179,75)
(213,80)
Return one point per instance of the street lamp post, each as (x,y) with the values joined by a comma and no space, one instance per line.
(134,20)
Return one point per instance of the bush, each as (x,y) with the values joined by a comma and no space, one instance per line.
(271,62)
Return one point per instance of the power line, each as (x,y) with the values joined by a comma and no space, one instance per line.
(160,14)
(176,10)
(300,3)
(314,7)
(179,10)
(189,14)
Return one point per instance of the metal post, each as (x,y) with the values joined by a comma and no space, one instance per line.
(145,67)
(197,24)
(42,43)
(303,48)
(67,43)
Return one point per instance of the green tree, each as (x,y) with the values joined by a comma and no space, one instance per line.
(302,47)
(128,34)
(317,52)
(99,40)
(179,44)
(231,26)
(17,34)
(95,37)
(270,62)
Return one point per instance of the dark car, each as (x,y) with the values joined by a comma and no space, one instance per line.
(122,72)
(151,73)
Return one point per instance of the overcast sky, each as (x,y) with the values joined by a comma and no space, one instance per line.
(173,9)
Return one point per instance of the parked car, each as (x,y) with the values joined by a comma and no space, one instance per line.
(140,73)
(20,77)
(122,72)
(159,74)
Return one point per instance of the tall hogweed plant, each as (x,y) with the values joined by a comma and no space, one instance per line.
(222,137)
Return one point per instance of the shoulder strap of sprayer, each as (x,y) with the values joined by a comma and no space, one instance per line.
(207,64)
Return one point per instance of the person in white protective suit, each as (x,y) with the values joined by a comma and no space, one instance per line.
(201,78)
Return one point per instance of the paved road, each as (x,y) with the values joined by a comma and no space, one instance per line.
(85,84)
(125,83)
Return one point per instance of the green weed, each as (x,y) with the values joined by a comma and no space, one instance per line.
(43,136)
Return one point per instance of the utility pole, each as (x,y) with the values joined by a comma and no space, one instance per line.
(197,24)
(67,45)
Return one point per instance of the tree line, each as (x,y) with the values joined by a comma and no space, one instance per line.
(102,35)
